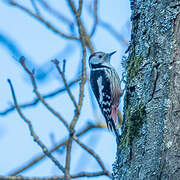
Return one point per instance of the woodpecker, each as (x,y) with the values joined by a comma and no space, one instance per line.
(105,84)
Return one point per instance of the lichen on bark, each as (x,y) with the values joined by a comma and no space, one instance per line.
(133,66)
(134,122)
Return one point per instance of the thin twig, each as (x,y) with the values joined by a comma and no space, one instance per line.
(35,7)
(56,13)
(79,11)
(108,28)
(82,31)
(91,152)
(56,62)
(39,18)
(31,74)
(68,158)
(38,158)
(36,100)
(91,174)
(82,34)
(95,18)
(64,66)
(73,176)
(113,32)
(72,7)
(33,134)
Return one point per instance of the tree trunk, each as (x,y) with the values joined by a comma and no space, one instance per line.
(150,147)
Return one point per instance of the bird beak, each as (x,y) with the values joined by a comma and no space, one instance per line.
(110,54)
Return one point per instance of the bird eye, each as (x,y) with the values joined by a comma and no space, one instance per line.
(100,56)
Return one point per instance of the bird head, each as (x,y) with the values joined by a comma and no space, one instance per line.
(100,58)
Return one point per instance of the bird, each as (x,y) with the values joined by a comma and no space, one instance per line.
(106,86)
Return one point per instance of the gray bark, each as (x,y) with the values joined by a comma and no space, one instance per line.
(150,147)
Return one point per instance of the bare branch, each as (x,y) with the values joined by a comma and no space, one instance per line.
(91,152)
(95,18)
(32,132)
(68,157)
(113,32)
(85,42)
(79,11)
(40,97)
(56,62)
(92,174)
(106,26)
(64,66)
(42,20)
(82,34)
(38,158)
(56,13)
(36,100)
(35,7)
(72,7)
(79,175)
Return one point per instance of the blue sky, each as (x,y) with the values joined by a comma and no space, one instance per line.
(40,45)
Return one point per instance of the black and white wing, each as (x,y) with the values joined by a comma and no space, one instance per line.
(100,84)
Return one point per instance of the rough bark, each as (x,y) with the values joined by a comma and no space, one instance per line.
(150,147)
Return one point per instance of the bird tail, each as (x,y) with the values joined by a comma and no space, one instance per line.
(111,125)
